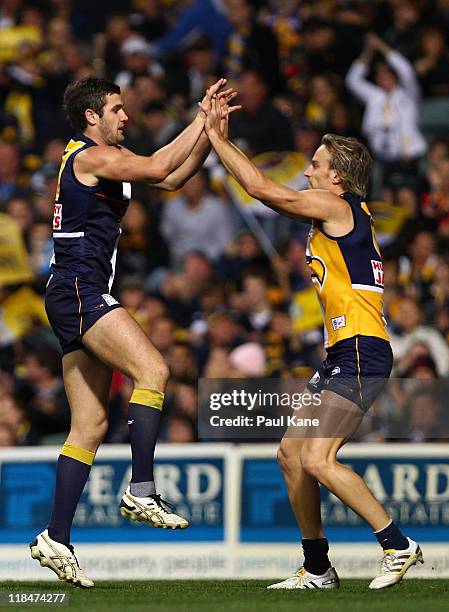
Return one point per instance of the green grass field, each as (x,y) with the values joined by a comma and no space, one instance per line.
(237,595)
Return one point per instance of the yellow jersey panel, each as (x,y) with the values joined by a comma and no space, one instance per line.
(348,276)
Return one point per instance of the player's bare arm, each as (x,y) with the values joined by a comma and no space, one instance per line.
(318,204)
(120,164)
(175,180)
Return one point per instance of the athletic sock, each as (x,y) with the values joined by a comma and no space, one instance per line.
(72,473)
(144,415)
(391,537)
(316,560)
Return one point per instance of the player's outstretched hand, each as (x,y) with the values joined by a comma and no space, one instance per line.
(217,115)
(206,102)
(224,99)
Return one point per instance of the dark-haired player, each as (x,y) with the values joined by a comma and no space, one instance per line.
(96,334)
(346,268)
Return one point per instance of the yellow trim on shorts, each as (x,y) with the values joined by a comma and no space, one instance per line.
(80,454)
(79,305)
(148,397)
(358,370)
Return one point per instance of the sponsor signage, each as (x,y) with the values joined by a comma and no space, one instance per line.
(241,525)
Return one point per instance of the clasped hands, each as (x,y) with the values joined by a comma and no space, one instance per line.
(215,107)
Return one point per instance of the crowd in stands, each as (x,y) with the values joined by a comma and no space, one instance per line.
(220,287)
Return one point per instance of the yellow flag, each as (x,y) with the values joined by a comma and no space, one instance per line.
(286,168)
(15,266)
(21,311)
(11,39)
(389,219)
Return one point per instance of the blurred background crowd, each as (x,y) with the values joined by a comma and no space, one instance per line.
(219,284)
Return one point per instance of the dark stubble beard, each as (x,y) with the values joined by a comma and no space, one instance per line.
(106,133)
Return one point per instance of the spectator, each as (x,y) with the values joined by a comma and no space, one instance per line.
(435,203)
(133,256)
(248,360)
(42,391)
(196,220)
(390,120)
(432,62)
(413,332)
(150,19)
(324,97)
(416,269)
(251,46)
(107,46)
(20,209)
(402,32)
(9,170)
(136,58)
(181,362)
(199,17)
(253,301)
(179,430)
(162,334)
(161,124)
(242,253)
(425,417)
(195,74)
(182,291)
(250,124)
(12,416)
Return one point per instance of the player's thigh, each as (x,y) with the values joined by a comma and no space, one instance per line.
(87,382)
(119,341)
(338,419)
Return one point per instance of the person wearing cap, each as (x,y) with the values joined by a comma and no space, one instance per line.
(138,61)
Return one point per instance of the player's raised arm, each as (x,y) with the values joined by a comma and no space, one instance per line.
(115,163)
(317,204)
(177,178)
(176,152)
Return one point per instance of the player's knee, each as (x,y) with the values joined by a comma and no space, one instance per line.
(91,434)
(287,459)
(102,428)
(162,371)
(316,464)
(154,375)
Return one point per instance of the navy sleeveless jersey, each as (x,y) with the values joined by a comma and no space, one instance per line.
(86,222)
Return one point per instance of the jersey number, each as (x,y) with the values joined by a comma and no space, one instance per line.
(378,272)
(57,216)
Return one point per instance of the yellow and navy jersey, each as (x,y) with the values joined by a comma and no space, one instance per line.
(348,275)
(86,222)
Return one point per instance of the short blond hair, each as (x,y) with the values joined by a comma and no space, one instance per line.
(351,161)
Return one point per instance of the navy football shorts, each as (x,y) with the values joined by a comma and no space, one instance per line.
(73,305)
(357,368)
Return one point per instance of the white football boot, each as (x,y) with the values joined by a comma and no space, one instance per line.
(302,579)
(152,511)
(59,558)
(394,564)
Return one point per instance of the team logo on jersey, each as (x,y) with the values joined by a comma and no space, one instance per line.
(57,216)
(319,271)
(335,371)
(110,301)
(338,322)
(316,264)
(378,272)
